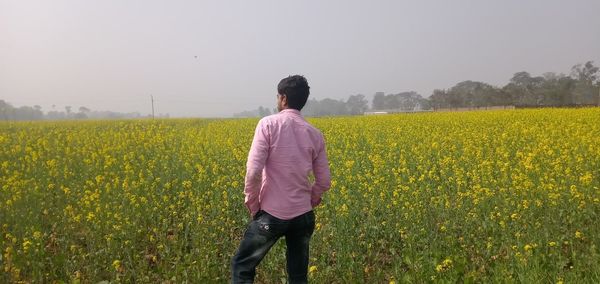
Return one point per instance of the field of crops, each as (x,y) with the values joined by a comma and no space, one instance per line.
(504,196)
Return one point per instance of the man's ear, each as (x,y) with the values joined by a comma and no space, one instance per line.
(284,101)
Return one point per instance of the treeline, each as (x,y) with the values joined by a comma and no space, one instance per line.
(260,112)
(9,112)
(580,88)
(356,104)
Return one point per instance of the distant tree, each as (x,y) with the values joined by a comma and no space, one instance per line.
(325,107)
(424,104)
(469,94)
(409,101)
(598,88)
(258,112)
(247,113)
(5,109)
(585,72)
(555,90)
(332,107)
(311,108)
(438,99)
(391,102)
(55,115)
(8,112)
(80,115)
(522,89)
(357,104)
(28,113)
(378,101)
(263,111)
(585,91)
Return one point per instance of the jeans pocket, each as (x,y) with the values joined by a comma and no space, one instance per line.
(270,225)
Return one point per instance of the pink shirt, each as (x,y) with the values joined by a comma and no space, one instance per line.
(285,151)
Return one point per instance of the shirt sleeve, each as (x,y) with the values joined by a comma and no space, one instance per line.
(259,151)
(322,175)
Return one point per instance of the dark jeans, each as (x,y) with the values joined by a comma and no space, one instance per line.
(261,235)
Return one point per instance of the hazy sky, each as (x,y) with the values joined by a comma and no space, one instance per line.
(214,58)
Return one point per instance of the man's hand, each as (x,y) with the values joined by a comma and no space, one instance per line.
(315,201)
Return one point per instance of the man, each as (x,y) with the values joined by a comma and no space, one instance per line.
(285,151)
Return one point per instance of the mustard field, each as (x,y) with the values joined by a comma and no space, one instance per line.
(490,196)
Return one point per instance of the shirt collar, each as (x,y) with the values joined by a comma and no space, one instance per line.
(291,110)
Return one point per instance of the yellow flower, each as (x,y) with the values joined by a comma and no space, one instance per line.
(312,269)
(90,216)
(445,265)
(26,244)
(447,262)
(116,264)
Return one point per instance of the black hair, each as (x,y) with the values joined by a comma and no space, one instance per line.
(296,90)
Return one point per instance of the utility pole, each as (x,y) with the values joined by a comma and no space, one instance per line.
(152,99)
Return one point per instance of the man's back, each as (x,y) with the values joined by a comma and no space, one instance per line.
(292,151)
